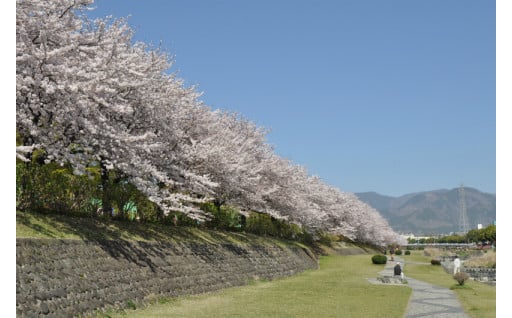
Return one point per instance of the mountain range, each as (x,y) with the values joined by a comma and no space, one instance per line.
(433,212)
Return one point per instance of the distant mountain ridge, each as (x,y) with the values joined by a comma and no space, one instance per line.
(433,212)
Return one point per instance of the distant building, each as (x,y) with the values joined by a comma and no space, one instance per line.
(411,236)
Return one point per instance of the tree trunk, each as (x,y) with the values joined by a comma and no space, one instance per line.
(218,203)
(106,200)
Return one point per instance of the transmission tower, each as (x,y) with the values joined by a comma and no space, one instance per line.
(463,214)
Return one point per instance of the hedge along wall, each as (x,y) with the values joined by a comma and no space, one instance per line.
(67,278)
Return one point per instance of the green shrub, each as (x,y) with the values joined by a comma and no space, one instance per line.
(52,188)
(407,252)
(326,238)
(260,224)
(131,305)
(435,262)
(461,278)
(305,237)
(223,217)
(379,259)
(398,252)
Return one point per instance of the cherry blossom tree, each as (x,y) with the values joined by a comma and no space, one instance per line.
(87,94)
(230,152)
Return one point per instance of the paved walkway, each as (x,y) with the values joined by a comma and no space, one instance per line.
(427,300)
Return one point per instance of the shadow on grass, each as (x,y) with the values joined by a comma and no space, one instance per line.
(136,242)
(26,219)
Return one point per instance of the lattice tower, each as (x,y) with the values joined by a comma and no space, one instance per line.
(463,214)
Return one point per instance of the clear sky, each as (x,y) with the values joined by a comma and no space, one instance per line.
(391,96)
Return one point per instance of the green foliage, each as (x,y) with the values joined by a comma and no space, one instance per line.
(326,238)
(458,287)
(223,217)
(263,224)
(398,252)
(178,219)
(379,259)
(461,277)
(291,231)
(487,234)
(51,188)
(147,211)
(259,223)
(123,195)
(415,241)
(306,237)
(131,305)
(407,252)
(452,239)
(435,262)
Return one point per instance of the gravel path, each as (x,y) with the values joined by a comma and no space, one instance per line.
(427,300)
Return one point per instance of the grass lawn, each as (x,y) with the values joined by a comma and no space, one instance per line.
(338,289)
(34,225)
(478,299)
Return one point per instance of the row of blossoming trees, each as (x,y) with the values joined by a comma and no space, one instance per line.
(88,95)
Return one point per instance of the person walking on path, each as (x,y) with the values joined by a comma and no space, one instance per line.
(392,252)
(456,265)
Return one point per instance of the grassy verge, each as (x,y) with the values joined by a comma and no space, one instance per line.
(32,225)
(338,289)
(478,299)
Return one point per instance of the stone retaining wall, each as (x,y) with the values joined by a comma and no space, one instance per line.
(486,275)
(68,278)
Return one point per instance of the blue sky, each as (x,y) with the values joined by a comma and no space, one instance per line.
(387,96)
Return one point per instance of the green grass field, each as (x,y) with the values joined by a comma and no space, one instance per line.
(338,289)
